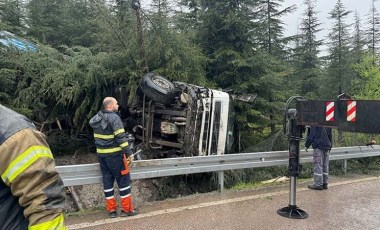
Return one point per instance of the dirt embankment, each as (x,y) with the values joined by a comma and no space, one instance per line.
(92,196)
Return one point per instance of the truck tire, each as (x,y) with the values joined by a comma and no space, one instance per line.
(158,88)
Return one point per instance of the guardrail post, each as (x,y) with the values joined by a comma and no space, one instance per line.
(344,166)
(295,131)
(221,181)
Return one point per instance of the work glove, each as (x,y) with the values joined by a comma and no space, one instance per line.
(130,159)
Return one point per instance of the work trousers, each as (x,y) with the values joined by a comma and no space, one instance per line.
(111,167)
(321,166)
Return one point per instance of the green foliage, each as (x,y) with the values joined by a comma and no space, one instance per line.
(339,71)
(51,83)
(373,31)
(370,73)
(187,20)
(172,55)
(272,52)
(70,22)
(308,71)
(239,177)
(238,46)
(226,34)
(11,16)
(358,40)
(7,79)
(270,30)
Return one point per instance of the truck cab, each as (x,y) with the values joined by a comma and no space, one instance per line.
(172,119)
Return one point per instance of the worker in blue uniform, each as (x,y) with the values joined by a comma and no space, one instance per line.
(114,156)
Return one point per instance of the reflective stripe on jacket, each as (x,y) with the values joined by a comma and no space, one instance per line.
(31,191)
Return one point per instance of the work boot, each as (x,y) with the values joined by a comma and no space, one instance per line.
(315,187)
(130,213)
(123,213)
(325,186)
(133,213)
(112,214)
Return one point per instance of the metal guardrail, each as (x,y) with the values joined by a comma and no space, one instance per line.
(90,173)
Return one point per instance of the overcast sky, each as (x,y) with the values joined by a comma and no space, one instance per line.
(323,8)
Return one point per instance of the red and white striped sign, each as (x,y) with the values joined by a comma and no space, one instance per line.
(351,111)
(330,110)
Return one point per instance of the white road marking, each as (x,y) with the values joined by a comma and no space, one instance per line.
(202,205)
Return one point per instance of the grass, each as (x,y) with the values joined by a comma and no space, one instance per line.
(252,178)
(249,185)
(259,184)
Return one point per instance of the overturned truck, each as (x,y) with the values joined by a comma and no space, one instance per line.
(170,119)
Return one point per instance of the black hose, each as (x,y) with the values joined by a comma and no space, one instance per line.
(286,111)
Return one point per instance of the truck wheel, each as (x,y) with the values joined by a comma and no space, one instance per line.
(158,88)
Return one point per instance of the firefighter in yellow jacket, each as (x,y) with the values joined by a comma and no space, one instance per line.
(31,191)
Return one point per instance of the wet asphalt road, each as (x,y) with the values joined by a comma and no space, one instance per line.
(349,204)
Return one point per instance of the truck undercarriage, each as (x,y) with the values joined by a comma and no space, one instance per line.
(178,119)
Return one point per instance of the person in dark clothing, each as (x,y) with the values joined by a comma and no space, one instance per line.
(112,147)
(320,138)
(32,194)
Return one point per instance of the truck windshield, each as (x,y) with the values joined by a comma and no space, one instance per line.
(230,127)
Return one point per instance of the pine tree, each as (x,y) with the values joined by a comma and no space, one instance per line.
(187,17)
(12,17)
(121,9)
(358,40)
(373,32)
(7,80)
(50,83)
(308,64)
(69,22)
(270,30)
(357,53)
(44,19)
(170,52)
(340,73)
(225,33)
(271,43)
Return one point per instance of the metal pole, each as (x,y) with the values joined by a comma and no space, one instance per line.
(295,131)
(75,197)
(344,166)
(140,39)
(221,181)
(293,193)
